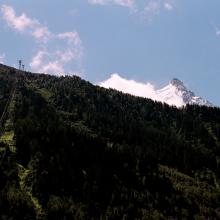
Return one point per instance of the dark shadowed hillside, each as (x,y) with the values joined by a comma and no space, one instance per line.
(72,150)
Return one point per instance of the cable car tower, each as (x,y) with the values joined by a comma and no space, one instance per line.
(20,65)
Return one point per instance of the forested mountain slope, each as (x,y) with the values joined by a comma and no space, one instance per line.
(71,150)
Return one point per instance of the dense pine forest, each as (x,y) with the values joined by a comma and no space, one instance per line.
(72,150)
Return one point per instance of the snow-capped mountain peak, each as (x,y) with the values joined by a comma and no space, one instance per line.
(178,84)
(175,93)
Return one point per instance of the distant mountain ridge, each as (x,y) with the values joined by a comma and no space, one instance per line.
(175,93)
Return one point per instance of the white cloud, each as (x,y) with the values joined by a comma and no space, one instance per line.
(123,3)
(25,24)
(168,6)
(52,59)
(37,60)
(167,94)
(129,86)
(98,2)
(41,63)
(156,6)
(153,6)
(55,51)
(53,67)
(20,23)
(42,33)
(2,58)
(74,46)
(217,31)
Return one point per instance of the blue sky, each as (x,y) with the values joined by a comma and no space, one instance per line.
(144,40)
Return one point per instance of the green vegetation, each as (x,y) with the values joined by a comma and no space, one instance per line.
(71,150)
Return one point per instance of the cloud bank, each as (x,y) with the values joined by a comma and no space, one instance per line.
(55,51)
(130,86)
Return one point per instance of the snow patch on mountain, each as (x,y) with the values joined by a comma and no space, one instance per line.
(175,93)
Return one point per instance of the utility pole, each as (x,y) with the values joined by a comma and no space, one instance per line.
(23,67)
